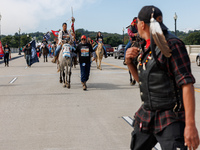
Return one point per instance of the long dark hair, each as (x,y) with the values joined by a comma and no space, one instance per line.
(98,34)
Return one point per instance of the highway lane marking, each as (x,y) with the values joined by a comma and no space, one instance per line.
(115,66)
(13,80)
(197,90)
(129,120)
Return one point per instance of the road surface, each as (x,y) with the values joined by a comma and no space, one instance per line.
(37,113)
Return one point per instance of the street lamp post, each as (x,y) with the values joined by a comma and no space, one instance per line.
(27,38)
(19,42)
(0,25)
(175,18)
(123,34)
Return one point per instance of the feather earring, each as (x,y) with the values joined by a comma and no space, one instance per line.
(158,37)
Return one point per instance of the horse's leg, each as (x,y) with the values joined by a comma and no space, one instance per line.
(132,80)
(70,69)
(100,64)
(96,60)
(68,74)
(64,82)
(44,56)
(130,77)
(61,77)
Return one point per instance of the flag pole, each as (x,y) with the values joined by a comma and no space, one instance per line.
(72,11)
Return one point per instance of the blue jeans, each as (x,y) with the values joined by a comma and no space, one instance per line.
(85,71)
(127,46)
(58,48)
(28,60)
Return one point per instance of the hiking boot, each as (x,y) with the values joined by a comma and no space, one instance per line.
(54,59)
(106,56)
(84,86)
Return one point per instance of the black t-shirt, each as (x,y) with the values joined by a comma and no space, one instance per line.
(45,42)
(100,38)
(6,50)
(84,51)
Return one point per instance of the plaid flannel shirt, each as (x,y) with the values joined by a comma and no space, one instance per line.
(180,69)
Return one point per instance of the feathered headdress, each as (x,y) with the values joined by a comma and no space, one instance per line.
(158,36)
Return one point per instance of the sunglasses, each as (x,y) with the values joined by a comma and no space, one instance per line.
(83,39)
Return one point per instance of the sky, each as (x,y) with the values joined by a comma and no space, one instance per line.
(93,15)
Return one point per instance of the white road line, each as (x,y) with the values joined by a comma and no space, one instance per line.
(129,120)
(13,80)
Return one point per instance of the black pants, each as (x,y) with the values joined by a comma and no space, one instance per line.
(171,138)
(6,58)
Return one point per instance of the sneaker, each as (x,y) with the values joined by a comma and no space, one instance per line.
(106,56)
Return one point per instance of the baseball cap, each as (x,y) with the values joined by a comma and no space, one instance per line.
(145,15)
(83,37)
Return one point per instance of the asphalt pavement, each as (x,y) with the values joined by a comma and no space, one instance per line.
(37,113)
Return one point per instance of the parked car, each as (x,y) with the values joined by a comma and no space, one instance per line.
(119,52)
(109,49)
(198,59)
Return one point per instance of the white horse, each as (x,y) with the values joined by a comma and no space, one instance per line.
(65,64)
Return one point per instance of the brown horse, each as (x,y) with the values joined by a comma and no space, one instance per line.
(45,52)
(99,53)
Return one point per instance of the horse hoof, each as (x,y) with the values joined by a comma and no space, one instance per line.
(68,86)
(64,85)
(61,81)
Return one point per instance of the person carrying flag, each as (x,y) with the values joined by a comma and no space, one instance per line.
(63,34)
(28,54)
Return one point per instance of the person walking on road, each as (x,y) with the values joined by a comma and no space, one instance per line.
(84,51)
(7,54)
(167,113)
(27,52)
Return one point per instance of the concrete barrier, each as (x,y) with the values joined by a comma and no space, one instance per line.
(193,51)
(14,50)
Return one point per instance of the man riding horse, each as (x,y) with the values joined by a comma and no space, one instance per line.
(63,34)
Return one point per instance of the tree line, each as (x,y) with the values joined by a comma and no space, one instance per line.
(114,39)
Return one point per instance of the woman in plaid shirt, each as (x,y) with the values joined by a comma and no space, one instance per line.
(167,114)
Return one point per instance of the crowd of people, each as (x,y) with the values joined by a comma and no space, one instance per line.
(167,113)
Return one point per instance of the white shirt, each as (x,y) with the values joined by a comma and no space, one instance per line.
(60,36)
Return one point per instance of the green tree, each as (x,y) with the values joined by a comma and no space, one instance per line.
(192,39)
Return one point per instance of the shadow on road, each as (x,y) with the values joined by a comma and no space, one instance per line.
(108,86)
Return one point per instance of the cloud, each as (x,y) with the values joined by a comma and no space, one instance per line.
(28,14)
